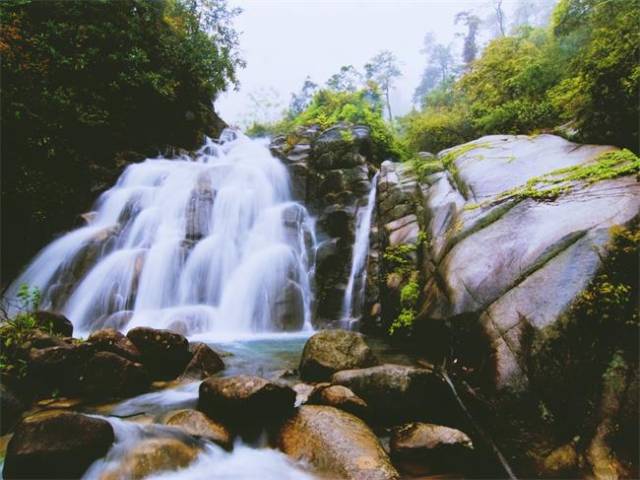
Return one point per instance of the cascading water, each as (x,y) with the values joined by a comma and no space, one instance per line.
(354,294)
(209,243)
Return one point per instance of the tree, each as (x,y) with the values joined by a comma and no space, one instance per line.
(498,18)
(535,13)
(348,79)
(302,99)
(470,48)
(383,69)
(439,69)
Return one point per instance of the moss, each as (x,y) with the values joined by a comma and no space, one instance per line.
(403,321)
(550,186)
(423,168)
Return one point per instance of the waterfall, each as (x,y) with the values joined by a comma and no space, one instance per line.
(206,243)
(354,294)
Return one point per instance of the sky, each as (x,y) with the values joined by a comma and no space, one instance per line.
(283,41)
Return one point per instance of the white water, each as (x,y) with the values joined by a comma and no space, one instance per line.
(209,244)
(354,294)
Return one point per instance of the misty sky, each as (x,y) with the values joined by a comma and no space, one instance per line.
(283,41)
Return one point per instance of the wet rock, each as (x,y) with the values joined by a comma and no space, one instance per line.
(153,456)
(339,397)
(108,375)
(58,368)
(110,340)
(57,445)
(337,444)
(197,423)
(563,462)
(396,392)
(328,351)
(11,408)
(245,400)
(423,448)
(337,221)
(165,354)
(204,362)
(54,322)
(288,312)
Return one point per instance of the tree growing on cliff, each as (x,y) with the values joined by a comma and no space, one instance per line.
(348,79)
(470,47)
(383,69)
(302,99)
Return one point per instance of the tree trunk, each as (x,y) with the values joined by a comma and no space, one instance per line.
(386,93)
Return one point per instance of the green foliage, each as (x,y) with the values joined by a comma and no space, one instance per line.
(582,69)
(398,258)
(403,321)
(14,332)
(593,343)
(410,292)
(83,81)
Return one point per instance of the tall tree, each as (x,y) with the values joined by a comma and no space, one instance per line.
(499,18)
(470,48)
(348,79)
(440,67)
(302,99)
(383,69)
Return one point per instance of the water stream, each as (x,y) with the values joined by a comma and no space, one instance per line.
(354,294)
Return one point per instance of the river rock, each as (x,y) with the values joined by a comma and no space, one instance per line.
(56,445)
(108,375)
(422,448)
(337,444)
(153,456)
(164,353)
(59,368)
(197,423)
(204,362)
(110,340)
(339,397)
(54,322)
(329,351)
(245,400)
(11,408)
(397,391)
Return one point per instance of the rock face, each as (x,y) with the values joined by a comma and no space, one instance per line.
(337,444)
(339,397)
(245,401)
(331,175)
(423,448)
(57,445)
(110,340)
(397,391)
(108,375)
(11,409)
(493,246)
(328,351)
(197,423)
(164,353)
(204,362)
(56,322)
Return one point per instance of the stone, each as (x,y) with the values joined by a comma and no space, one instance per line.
(329,351)
(197,423)
(337,444)
(245,401)
(165,354)
(396,392)
(339,397)
(56,445)
(108,375)
(424,448)
(153,456)
(59,368)
(11,408)
(110,340)
(55,322)
(563,462)
(204,362)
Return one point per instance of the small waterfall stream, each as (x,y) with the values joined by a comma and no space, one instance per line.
(354,294)
(209,243)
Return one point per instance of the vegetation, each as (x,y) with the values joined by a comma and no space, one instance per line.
(87,86)
(582,68)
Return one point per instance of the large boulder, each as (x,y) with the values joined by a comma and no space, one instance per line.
(59,368)
(424,448)
(54,322)
(197,423)
(204,362)
(337,444)
(11,408)
(339,397)
(111,340)
(153,456)
(245,401)
(165,354)
(329,351)
(56,445)
(108,375)
(396,392)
